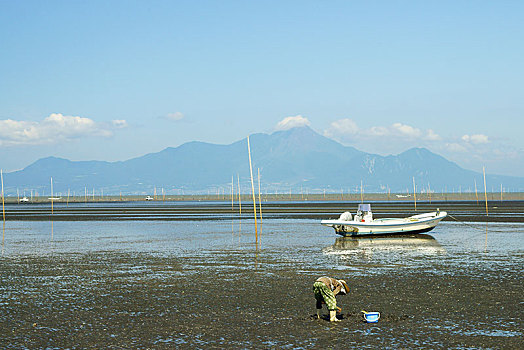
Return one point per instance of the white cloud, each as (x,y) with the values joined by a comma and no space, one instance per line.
(432,136)
(475,139)
(406,130)
(119,123)
(53,129)
(341,127)
(378,131)
(176,116)
(292,122)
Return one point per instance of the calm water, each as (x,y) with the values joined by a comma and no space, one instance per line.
(302,243)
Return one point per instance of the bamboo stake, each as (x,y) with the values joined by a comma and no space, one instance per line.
(3,204)
(414,193)
(232,193)
(51,196)
(252,190)
(485,190)
(67,203)
(501,192)
(361,192)
(239,198)
(476,194)
(259,197)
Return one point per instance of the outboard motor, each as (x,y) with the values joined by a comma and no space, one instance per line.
(345,216)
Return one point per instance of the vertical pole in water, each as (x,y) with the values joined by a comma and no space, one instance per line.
(476,194)
(3,204)
(361,192)
(414,193)
(67,203)
(3,208)
(85,194)
(253,190)
(51,196)
(18,195)
(501,192)
(486,197)
(232,193)
(239,198)
(259,198)
(485,190)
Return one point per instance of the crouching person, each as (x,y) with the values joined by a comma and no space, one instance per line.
(326,288)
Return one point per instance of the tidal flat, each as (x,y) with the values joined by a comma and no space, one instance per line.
(204,283)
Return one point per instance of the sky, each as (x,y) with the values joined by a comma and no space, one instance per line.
(114,80)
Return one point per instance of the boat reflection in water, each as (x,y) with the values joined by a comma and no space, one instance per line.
(418,242)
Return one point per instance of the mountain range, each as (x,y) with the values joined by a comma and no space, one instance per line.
(297,159)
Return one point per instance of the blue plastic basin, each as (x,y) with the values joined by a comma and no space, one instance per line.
(371,317)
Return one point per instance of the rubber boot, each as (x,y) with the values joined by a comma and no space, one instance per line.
(318,313)
(333,316)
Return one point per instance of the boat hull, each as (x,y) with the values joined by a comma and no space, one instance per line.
(412,225)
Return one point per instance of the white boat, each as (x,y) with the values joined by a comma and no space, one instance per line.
(364,224)
(149,198)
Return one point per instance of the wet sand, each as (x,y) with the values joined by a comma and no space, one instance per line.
(208,295)
(127,300)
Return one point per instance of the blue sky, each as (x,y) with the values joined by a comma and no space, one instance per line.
(112,80)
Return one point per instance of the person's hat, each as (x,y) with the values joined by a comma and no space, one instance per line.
(345,289)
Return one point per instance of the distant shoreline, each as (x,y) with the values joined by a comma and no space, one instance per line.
(280,197)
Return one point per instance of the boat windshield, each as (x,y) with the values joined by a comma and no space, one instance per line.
(364,207)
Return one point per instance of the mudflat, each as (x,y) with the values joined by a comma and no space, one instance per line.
(206,284)
(142,301)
